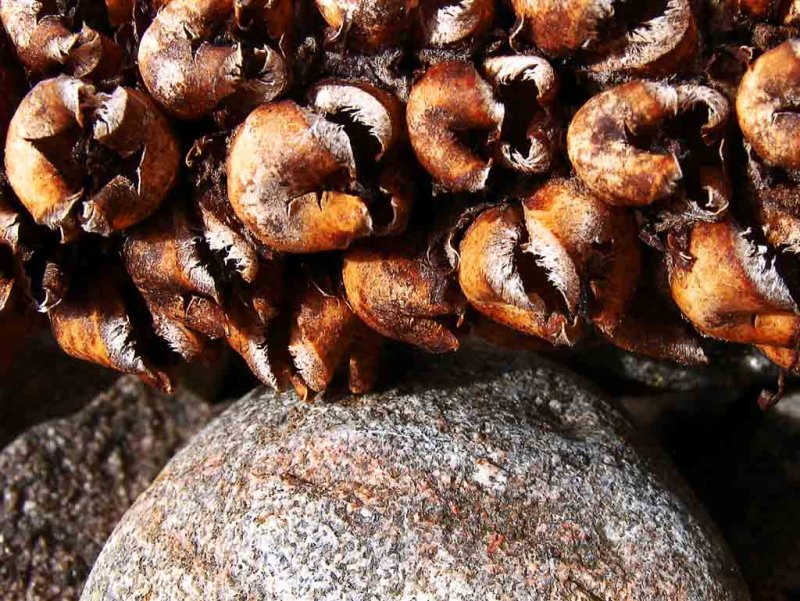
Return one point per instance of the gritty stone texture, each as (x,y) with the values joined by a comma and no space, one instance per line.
(484,476)
(64,484)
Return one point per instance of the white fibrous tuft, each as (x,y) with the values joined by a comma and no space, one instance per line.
(359,105)
(762,271)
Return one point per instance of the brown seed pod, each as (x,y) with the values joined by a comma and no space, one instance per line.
(120,12)
(786,12)
(397,291)
(766,105)
(459,125)
(530,135)
(613,36)
(225,235)
(368,25)
(94,325)
(449,104)
(164,259)
(44,42)
(259,345)
(530,267)
(272,18)
(325,335)
(504,282)
(653,326)
(190,76)
(294,174)
(113,156)
(785,358)
(568,224)
(732,290)
(605,139)
(442,23)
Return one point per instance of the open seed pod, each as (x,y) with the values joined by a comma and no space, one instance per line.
(49,38)
(460,125)
(779,12)
(190,75)
(326,336)
(643,38)
(532,267)
(372,25)
(620,147)
(368,25)
(78,159)
(443,24)
(771,130)
(785,358)
(94,323)
(165,261)
(315,179)
(766,105)
(732,289)
(653,326)
(396,288)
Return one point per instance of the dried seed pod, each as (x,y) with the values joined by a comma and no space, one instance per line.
(324,336)
(451,105)
(225,235)
(765,105)
(732,290)
(295,175)
(504,282)
(94,325)
(111,155)
(397,291)
(368,25)
(272,18)
(605,139)
(786,12)
(457,123)
(493,272)
(785,358)
(531,268)
(566,224)
(528,88)
(44,42)
(165,261)
(442,23)
(653,326)
(257,343)
(120,12)
(613,36)
(190,76)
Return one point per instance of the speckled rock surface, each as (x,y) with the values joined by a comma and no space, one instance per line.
(64,484)
(483,477)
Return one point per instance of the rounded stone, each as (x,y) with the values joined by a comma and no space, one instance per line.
(483,476)
(65,483)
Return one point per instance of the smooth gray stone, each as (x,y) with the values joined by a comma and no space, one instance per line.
(64,484)
(483,476)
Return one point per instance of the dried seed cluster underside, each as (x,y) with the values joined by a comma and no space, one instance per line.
(305,180)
